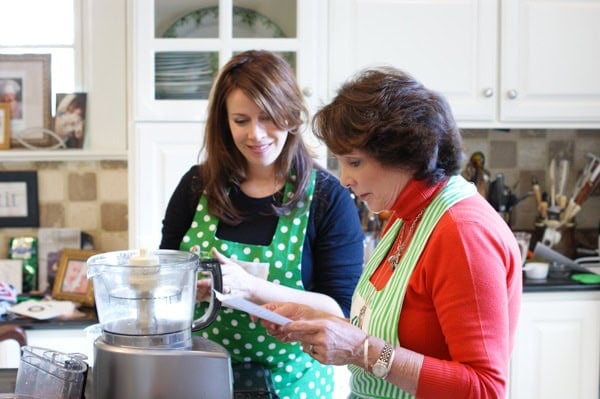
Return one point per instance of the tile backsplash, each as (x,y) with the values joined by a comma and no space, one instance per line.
(91,196)
(522,154)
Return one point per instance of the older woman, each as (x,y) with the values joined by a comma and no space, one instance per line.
(435,312)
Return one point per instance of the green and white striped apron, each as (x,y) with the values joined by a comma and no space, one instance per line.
(383,308)
(295,373)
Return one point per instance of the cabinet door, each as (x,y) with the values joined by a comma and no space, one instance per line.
(450,46)
(66,340)
(557,351)
(10,354)
(550,61)
(178,46)
(162,153)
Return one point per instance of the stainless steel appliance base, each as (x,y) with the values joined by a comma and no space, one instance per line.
(203,372)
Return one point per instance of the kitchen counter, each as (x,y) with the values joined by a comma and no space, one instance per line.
(84,317)
(556,282)
(8,377)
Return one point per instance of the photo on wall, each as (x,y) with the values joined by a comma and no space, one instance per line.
(69,123)
(25,85)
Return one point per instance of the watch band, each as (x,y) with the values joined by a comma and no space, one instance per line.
(382,366)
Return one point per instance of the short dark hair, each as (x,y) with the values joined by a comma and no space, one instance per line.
(394,119)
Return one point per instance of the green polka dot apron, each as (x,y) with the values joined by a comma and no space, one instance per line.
(381,314)
(295,373)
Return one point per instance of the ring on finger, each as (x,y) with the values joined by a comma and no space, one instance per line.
(311,349)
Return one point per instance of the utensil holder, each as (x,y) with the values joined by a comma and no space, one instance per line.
(560,239)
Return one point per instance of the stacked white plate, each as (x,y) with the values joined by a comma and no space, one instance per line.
(183,75)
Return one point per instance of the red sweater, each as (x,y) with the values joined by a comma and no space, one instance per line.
(463,298)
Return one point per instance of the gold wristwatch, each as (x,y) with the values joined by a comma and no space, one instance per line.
(382,366)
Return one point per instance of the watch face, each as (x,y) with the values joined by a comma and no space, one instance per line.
(379,370)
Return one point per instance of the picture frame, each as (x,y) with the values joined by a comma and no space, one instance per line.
(4,126)
(25,85)
(51,242)
(69,122)
(71,281)
(19,199)
(11,272)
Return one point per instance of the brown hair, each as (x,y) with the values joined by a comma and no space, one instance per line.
(268,80)
(394,119)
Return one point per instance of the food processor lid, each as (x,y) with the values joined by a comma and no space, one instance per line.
(66,366)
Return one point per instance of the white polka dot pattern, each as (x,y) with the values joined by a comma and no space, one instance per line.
(295,374)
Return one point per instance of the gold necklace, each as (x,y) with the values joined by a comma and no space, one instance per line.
(394,259)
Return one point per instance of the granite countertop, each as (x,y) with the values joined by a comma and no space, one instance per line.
(82,318)
(8,377)
(556,281)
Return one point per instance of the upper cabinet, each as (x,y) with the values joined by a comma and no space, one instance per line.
(509,63)
(179,45)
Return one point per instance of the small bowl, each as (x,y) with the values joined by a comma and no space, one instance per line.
(536,270)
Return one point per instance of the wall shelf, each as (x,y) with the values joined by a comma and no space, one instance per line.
(61,155)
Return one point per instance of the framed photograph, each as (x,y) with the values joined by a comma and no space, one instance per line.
(69,123)
(19,199)
(51,242)
(25,86)
(4,126)
(71,281)
(11,272)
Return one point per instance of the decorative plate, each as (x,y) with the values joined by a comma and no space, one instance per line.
(189,75)
(204,23)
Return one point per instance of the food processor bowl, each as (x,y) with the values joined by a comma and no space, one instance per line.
(141,293)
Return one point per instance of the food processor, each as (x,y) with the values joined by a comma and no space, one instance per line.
(145,302)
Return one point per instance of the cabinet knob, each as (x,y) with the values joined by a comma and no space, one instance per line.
(512,94)
(307,91)
(488,92)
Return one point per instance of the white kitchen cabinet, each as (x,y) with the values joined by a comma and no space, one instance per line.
(504,63)
(156,40)
(557,350)
(164,152)
(10,354)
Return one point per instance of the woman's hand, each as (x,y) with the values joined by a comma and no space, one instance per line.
(203,289)
(327,338)
(293,311)
(249,281)
(236,281)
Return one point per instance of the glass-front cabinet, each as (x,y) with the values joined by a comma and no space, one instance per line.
(176,48)
(179,46)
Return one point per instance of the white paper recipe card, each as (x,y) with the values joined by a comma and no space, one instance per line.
(239,303)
